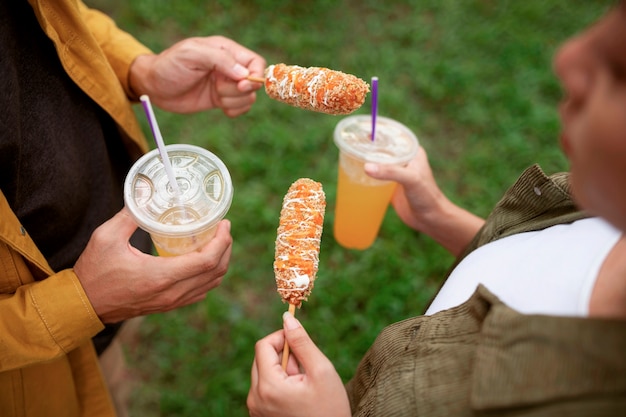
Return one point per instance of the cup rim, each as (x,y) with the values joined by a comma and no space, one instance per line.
(399,160)
(153,226)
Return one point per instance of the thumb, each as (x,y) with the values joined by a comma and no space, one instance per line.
(210,56)
(230,68)
(122,223)
(300,343)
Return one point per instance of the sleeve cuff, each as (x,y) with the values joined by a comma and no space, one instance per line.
(65,310)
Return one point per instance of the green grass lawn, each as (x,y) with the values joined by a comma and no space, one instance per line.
(472,78)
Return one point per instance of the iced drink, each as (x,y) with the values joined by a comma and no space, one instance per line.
(362,200)
(180,222)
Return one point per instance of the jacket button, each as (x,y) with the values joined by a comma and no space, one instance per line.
(22,231)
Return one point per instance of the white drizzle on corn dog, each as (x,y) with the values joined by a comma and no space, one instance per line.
(298,240)
(315,88)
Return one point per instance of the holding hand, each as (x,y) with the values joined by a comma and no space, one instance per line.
(123,282)
(316,391)
(421,205)
(198,74)
(418,197)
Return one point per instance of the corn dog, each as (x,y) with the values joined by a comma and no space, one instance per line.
(298,240)
(315,88)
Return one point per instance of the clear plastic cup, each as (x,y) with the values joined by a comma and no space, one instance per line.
(182,223)
(362,201)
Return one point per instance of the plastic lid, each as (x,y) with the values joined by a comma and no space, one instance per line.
(394,142)
(206,191)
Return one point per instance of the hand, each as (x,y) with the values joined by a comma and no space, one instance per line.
(123,282)
(418,196)
(317,391)
(197,74)
(421,205)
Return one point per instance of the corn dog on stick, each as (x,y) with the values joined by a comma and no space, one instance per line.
(298,240)
(298,244)
(315,88)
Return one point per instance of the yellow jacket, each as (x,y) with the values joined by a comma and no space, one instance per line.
(48,366)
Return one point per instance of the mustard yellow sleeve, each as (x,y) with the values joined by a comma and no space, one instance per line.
(119,47)
(45,319)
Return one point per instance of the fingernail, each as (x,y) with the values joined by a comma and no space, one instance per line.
(241,71)
(290,321)
(371,168)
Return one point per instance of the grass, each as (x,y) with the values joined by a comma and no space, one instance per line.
(473,79)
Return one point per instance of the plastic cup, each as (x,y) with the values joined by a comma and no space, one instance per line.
(182,223)
(362,200)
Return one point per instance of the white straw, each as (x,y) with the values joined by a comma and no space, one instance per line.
(154,126)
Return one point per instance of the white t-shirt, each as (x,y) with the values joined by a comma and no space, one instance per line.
(552,271)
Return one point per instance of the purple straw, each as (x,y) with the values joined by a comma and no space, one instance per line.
(374,105)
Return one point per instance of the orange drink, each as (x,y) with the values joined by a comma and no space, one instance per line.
(362,201)
(183,221)
(172,246)
(359,211)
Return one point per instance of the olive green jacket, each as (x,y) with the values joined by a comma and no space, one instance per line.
(484,359)
(48,366)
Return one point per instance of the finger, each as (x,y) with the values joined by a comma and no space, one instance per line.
(194,278)
(226,88)
(232,113)
(246,87)
(401,174)
(229,94)
(226,56)
(385,172)
(214,256)
(254,63)
(221,249)
(237,104)
(234,98)
(300,343)
(180,294)
(193,287)
(208,55)
(293,367)
(268,352)
(196,288)
(224,62)
(122,223)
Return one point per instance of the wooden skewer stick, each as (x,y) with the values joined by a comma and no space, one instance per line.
(292,310)
(257,79)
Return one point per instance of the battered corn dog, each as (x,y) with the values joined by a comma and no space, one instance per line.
(298,240)
(315,88)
